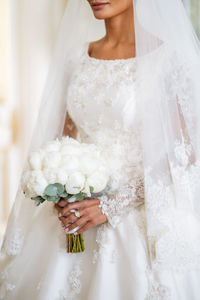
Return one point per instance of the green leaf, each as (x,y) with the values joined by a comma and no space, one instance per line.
(63,195)
(55,199)
(45,197)
(79,196)
(38,200)
(55,189)
(72,198)
(60,188)
(51,190)
(91,189)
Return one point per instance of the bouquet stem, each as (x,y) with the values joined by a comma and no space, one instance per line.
(75,243)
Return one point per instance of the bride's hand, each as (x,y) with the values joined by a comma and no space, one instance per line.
(90,214)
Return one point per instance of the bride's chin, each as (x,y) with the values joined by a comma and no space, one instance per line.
(102,14)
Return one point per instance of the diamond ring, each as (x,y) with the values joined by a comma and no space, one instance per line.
(77,214)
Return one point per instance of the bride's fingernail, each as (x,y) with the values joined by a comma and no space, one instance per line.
(66,229)
(60,215)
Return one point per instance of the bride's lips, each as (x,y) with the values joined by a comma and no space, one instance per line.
(98,5)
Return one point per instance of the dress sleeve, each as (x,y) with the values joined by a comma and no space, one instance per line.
(117,204)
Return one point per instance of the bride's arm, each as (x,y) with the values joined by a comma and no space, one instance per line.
(70,128)
(119,203)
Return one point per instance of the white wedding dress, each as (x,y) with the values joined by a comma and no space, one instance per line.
(115,263)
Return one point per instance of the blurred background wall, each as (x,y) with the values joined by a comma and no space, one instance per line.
(28,31)
(193,10)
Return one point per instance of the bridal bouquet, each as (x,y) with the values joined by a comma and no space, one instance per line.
(65,169)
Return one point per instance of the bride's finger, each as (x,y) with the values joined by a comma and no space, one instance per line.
(80,222)
(59,210)
(80,204)
(84,228)
(72,218)
(62,203)
(75,205)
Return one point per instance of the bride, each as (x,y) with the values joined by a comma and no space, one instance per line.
(124,77)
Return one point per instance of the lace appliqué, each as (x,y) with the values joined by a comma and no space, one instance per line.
(115,74)
(104,252)
(174,235)
(74,279)
(5,285)
(182,152)
(120,203)
(13,242)
(157,291)
(180,88)
(74,284)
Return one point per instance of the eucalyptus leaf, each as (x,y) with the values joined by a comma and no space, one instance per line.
(60,188)
(79,196)
(55,199)
(51,190)
(63,195)
(45,197)
(91,189)
(37,202)
(37,198)
(71,199)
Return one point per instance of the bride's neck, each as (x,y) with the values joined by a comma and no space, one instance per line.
(120,29)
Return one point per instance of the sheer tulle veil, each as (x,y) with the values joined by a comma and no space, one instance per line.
(168,64)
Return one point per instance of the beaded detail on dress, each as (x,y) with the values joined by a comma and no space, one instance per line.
(105,93)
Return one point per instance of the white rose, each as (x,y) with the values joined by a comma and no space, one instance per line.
(35,161)
(39,188)
(55,176)
(40,182)
(98,180)
(89,164)
(50,175)
(52,160)
(62,176)
(75,183)
(91,149)
(53,146)
(70,150)
(70,163)
(86,190)
(35,183)
(66,140)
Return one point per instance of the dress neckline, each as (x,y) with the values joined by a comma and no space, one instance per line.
(94,59)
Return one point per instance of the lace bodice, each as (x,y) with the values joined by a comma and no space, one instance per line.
(103,104)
